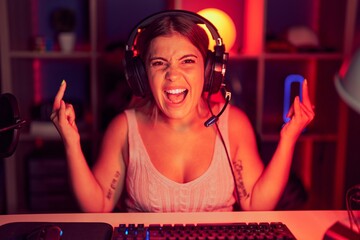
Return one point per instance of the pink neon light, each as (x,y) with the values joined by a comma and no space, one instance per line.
(37,81)
(36,62)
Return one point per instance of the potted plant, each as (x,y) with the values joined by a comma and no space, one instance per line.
(63,21)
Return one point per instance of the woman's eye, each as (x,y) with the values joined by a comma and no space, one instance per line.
(156,63)
(189,60)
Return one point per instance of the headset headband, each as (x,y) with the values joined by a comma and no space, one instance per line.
(193,16)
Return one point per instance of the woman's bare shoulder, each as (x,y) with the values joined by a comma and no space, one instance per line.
(237,116)
(240,127)
(121,118)
(115,139)
(118,127)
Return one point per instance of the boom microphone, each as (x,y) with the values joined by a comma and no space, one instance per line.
(214,118)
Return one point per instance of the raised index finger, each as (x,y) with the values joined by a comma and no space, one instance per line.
(59,96)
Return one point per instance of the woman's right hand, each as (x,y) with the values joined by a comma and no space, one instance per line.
(63,117)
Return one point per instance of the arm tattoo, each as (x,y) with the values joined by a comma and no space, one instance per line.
(113,185)
(238,168)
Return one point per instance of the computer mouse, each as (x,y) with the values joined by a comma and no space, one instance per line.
(45,232)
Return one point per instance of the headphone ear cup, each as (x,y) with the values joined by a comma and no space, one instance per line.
(208,71)
(136,76)
(213,73)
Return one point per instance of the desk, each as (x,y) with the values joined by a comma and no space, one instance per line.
(305,225)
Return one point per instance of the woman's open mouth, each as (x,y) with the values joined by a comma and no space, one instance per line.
(176,95)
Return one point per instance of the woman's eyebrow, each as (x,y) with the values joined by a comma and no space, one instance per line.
(157,58)
(164,59)
(188,55)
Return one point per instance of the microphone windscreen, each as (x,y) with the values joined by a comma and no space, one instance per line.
(211,121)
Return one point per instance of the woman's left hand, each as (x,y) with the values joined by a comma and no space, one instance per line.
(300,114)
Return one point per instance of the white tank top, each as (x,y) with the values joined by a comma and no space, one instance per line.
(150,191)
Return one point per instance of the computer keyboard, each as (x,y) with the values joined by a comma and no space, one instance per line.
(261,230)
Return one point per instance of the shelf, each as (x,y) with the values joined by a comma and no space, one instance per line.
(46,131)
(50,55)
(27,137)
(287,56)
(303,56)
(305,137)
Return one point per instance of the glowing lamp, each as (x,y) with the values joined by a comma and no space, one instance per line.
(223,23)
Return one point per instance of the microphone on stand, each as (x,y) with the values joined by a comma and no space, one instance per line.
(17,125)
(10,124)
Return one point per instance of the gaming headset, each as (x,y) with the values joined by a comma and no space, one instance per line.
(215,62)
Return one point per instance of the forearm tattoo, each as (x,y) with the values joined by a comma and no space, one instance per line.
(238,168)
(113,185)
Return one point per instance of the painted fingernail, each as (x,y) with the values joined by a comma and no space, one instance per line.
(63,82)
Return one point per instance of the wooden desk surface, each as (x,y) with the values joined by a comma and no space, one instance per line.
(305,225)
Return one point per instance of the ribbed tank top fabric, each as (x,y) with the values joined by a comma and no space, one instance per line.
(150,191)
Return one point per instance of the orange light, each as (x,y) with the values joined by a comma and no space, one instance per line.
(253,27)
(223,23)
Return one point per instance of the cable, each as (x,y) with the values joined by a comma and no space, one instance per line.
(237,195)
(213,119)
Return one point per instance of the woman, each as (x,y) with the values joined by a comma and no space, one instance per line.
(158,155)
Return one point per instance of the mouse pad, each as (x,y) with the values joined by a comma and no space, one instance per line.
(71,230)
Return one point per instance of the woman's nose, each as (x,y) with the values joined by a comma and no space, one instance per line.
(172,73)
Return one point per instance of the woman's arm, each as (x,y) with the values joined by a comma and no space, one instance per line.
(264,186)
(109,168)
(89,188)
